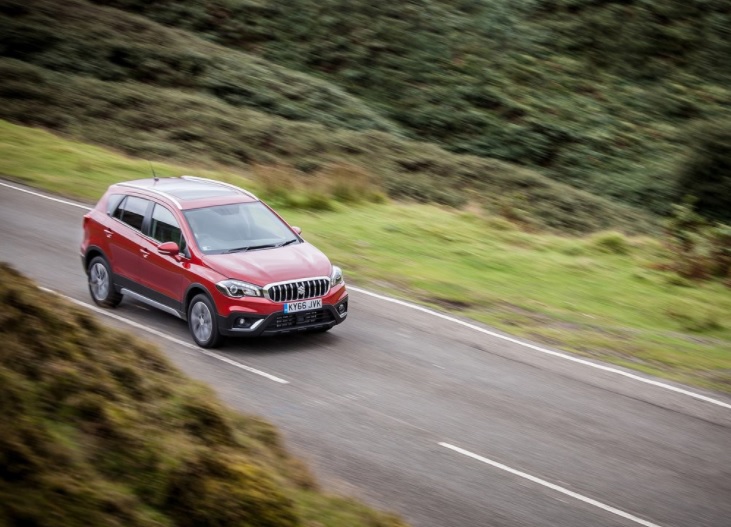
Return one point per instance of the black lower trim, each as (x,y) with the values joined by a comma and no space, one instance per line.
(121,282)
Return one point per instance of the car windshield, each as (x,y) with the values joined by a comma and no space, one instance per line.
(238,227)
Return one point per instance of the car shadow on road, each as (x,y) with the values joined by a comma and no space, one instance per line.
(300,342)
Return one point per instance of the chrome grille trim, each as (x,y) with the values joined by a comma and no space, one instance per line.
(289,291)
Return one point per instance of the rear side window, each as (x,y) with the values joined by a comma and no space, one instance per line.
(165,228)
(132,211)
(112,202)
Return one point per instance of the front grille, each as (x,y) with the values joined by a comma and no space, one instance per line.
(300,319)
(298,290)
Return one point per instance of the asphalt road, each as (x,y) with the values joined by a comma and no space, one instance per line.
(444,424)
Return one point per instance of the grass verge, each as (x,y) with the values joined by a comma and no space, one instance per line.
(602,296)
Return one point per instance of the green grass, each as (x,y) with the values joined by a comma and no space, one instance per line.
(600,295)
(71,168)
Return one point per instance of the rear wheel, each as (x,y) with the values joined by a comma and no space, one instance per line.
(202,322)
(101,286)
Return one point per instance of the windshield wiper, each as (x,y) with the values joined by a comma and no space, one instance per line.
(252,247)
(286,243)
(263,246)
(239,249)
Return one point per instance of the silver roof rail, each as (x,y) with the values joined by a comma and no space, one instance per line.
(222,183)
(152,189)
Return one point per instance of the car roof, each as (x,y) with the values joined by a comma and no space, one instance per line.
(189,192)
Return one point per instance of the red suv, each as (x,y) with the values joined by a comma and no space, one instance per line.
(212,254)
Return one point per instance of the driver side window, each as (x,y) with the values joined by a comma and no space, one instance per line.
(165,228)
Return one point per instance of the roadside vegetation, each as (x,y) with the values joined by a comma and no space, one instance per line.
(601,94)
(625,299)
(100,429)
(161,93)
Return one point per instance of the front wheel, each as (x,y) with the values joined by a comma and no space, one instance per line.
(202,322)
(100,283)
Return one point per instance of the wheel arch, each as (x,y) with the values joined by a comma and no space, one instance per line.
(191,292)
(91,253)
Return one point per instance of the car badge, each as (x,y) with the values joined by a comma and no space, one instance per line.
(301,290)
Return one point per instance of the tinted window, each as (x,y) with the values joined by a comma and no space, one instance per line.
(165,228)
(113,201)
(132,211)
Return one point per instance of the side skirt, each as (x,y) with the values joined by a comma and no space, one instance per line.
(151,302)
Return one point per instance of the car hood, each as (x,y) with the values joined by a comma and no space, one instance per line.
(266,266)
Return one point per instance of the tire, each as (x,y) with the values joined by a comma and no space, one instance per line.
(202,322)
(101,286)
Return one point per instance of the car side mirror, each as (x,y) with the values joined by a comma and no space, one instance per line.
(297,230)
(169,248)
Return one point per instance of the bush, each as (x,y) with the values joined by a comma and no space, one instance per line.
(218,491)
(700,249)
(706,173)
(611,242)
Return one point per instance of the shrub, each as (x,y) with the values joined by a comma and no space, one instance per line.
(348,183)
(424,188)
(611,242)
(694,320)
(700,250)
(219,490)
(706,173)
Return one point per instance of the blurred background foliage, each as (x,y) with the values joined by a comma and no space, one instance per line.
(448,101)
(594,93)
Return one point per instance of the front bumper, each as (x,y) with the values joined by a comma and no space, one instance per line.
(251,325)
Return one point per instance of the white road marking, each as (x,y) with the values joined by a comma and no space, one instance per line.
(167,337)
(543,350)
(461,323)
(57,200)
(550,485)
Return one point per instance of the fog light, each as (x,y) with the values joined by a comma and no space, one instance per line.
(241,322)
(343,308)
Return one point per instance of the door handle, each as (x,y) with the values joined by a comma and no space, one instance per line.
(108,232)
(145,253)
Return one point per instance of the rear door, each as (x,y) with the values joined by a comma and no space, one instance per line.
(126,242)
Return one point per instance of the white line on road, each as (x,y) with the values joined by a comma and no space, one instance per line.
(467,325)
(544,350)
(551,486)
(170,338)
(57,200)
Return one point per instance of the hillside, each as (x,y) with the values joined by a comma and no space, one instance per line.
(162,93)
(99,429)
(596,93)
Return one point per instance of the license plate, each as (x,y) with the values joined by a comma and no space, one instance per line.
(304,305)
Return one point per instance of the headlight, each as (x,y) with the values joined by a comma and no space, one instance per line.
(336,277)
(237,288)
